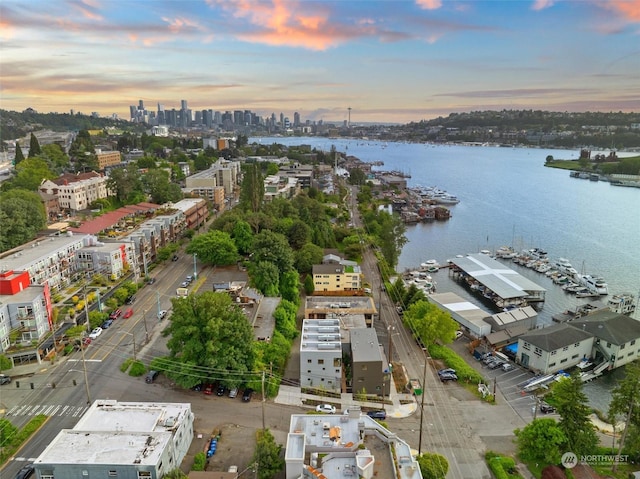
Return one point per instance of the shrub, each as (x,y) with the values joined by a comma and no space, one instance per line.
(503,467)
(68,349)
(137,369)
(199,461)
(125,365)
(452,360)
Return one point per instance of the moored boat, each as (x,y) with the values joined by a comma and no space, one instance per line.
(623,303)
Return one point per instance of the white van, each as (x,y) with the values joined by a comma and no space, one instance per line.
(501,356)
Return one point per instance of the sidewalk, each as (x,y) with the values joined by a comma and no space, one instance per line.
(402,405)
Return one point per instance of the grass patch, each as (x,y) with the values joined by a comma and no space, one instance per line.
(137,369)
(125,365)
(13,444)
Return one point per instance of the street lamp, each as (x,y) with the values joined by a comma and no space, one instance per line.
(195,269)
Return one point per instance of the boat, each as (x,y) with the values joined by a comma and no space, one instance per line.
(623,303)
(595,283)
(430,265)
(584,364)
(446,199)
(506,252)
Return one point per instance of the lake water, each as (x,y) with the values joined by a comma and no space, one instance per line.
(508,197)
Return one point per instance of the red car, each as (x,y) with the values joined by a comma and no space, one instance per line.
(128,313)
(208,389)
(115,314)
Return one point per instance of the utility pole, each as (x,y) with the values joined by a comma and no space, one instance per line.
(424,380)
(195,269)
(82,346)
(264,428)
(158,300)
(144,321)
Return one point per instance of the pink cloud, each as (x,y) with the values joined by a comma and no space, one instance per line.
(88,8)
(628,9)
(429,4)
(541,4)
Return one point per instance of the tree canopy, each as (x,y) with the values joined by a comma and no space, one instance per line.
(215,247)
(22,215)
(430,323)
(210,338)
(541,441)
(267,456)
(572,405)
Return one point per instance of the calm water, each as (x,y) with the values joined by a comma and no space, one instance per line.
(507,197)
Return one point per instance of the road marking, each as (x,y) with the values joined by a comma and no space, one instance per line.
(48,410)
(86,360)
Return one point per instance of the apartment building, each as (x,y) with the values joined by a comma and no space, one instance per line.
(120,439)
(76,192)
(24,308)
(222,173)
(369,366)
(321,354)
(335,278)
(280,187)
(108,158)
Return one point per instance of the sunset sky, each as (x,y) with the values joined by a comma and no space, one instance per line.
(390,61)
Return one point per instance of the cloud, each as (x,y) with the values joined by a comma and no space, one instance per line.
(88,8)
(429,4)
(519,92)
(542,4)
(629,10)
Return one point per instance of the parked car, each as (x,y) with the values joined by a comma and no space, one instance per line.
(4,379)
(162,314)
(507,367)
(151,376)
(151,280)
(107,324)
(184,284)
(220,390)
(377,414)
(174,258)
(246,395)
(208,389)
(546,408)
(115,314)
(95,333)
(448,377)
(459,334)
(233,392)
(128,313)
(26,472)
(130,299)
(189,279)
(446,371)
(496,364)
(326,408)
(198,387)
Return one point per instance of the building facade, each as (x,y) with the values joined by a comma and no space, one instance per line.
(321,354)
(334,278)
(108,158)
(369,366)
(76,192)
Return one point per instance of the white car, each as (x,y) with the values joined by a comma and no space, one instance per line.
(95,333)
(326,408)
(162,314)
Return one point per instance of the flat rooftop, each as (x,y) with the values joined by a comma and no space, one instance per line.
(503,281)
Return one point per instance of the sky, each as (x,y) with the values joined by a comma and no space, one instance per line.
(394,61)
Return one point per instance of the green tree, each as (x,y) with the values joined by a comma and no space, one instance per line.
(267,456)
(265,277)
(83,153)
(208,333)
(125,182)
(433,466)
(430,323)
(5,363)
(290,286)
(273,248)
(242,236)
(309,287)
(299,234)
(19,155)
(392,237)
(29,175)
(34,146)
(252,190)
(541,441)
(306,257)
(175,474)
(625,405)
(56,158)
(158,185)
(572,405)
(215,247)
(357,177)
(22,215)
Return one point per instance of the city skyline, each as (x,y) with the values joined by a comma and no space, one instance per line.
(384,61)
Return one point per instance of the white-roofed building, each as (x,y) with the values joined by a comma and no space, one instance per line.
(120,439)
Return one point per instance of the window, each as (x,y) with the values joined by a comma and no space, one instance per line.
(553,353)
(526,346)
(577,345)
(552,365)
(630,354)
(622,347)
(566,348)
(144,474)
(633,342)
(320,361)
(113,474)
(608,345)
(537,352)
(308,361)
(575,356)
(363,367)
(563,360)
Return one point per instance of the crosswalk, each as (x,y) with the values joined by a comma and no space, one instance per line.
(47,410)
